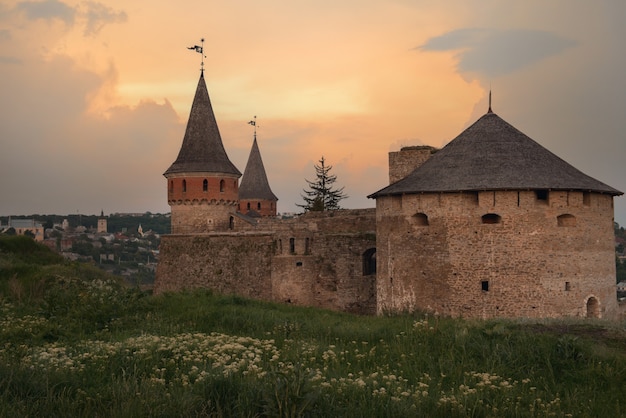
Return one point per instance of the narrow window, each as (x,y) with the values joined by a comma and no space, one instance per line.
(307,248)
(586,198)
(184,186)
(568,287)
(542,195)
(205,185)
(171,186)
(566,220)
(222,182)
(248,205)
(292,245)
(491,218)
(484,285)
(258,205)
(231,223)
(369,262)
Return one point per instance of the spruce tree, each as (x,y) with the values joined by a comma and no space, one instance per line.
(321,196)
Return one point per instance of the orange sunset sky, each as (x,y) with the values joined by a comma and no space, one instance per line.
(95,95)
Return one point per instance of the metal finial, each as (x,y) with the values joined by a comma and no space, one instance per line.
(199,49)
(253,123)
(489,110)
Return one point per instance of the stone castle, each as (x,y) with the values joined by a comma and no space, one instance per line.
(491,225)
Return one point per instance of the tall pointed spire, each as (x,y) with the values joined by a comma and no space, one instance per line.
(202,149)
(255,188)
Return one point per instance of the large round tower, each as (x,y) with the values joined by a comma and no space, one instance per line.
(202,184)
(495,225)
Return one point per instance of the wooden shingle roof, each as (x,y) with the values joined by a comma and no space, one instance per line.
(202,149)
(254,184)
(493,155)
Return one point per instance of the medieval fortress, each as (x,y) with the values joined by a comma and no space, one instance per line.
(491,225)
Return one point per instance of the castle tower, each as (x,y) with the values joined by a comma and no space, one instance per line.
(202,184)
(255,195)
(495,225)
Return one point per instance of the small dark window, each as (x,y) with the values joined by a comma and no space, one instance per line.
(184,185)
(568,287)
(299,264)
(420,219)
(205,185)
(222,182)
(258,205)
(484,285)
(231,223)
(292,245)
(566,220)
(586,198)
(542,195)
(491,218)
(248,205)
(171,185)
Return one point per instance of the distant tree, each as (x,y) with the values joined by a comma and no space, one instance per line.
(29,233)
(10,231)
(321,195)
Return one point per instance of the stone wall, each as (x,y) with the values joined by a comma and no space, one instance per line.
(403,162)
(313,260)
(490,254)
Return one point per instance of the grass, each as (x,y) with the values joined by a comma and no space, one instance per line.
(83,344)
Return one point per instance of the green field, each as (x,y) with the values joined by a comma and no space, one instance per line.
(75,342)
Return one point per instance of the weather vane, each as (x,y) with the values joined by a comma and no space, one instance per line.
(253,123)
(199,49)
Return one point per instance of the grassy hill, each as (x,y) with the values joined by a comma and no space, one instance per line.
(77,342)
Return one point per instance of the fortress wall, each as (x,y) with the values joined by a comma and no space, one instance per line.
(323,267)
(534,263)
(227,263)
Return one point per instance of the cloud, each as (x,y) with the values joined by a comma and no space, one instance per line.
(59,156)
(47,10)
(494,52)
(98,15)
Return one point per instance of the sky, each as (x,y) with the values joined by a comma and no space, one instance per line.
(95,95)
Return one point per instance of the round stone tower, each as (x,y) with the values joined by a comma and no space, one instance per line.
(202,184)
(495,225)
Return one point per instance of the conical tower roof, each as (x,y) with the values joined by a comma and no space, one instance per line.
(254,184)
(493,155)
(202,149)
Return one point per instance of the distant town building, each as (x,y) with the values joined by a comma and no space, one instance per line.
(102,224)
(22,226)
